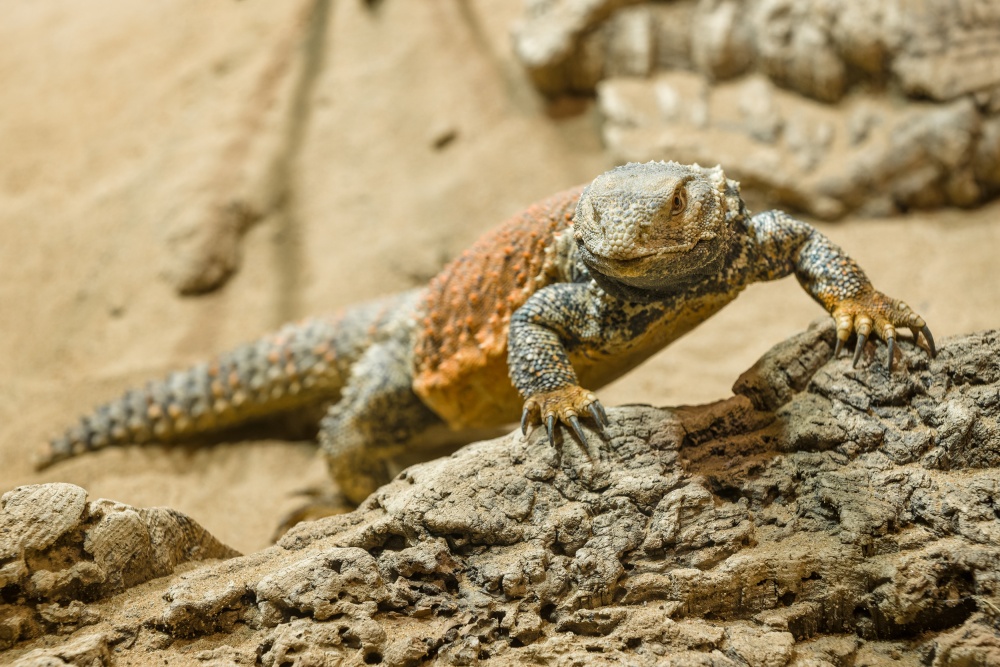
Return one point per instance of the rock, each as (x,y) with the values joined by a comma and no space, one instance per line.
(25,528)
(722,47)
(986,162)
(759,114)
(671,25)
(949,50)
(60,553)
(85,651)
(825,162)
(793,46)
(818,48)
(824,515)
(550,38)
(631,43)
(924,74)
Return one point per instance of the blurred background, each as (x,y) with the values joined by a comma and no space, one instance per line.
(179,177)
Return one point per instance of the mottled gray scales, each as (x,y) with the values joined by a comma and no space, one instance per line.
(555,320)
(298,364)
(573,302)
(786,245)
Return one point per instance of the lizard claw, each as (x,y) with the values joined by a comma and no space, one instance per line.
(929,338)
(892,351)
(858,349)
(574,422)
(565,406)
(872,312)
(599,415)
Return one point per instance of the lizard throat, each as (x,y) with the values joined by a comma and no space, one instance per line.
(625,292)
(656,281)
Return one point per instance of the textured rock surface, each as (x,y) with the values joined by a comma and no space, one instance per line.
(822,49)
(866,154)
(58,553)
(864,150)
(821,516)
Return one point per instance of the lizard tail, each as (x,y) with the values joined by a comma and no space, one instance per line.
(300,365)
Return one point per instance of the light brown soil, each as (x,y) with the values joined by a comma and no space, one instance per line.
(115,112)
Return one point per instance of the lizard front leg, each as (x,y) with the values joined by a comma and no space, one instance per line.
(554,318)
(836,281)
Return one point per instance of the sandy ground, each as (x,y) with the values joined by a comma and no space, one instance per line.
(112,115)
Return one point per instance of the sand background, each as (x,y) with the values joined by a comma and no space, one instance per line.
(115,119)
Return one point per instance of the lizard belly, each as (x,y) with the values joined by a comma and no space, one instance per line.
(478,394)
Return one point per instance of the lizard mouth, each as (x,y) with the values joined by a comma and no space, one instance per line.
(590,258)
(630,265)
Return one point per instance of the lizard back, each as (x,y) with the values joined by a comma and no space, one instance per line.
(460,362)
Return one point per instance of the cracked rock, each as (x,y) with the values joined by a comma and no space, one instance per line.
(825,107)
(59,554)
(823,515)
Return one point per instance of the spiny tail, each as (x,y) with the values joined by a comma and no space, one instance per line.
(300,365)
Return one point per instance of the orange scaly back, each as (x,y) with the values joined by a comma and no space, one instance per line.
(460,364)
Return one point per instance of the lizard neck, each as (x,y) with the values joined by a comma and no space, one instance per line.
(620,290)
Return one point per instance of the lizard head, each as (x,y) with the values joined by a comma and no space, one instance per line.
(647,229)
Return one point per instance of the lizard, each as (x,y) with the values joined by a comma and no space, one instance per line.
(561,299)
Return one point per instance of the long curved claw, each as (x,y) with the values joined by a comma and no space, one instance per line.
(930,340)
(859,348)
(599,415)
(550,427)
(596,417)
(524,421)
(574,422)
(838,348)
(892,352)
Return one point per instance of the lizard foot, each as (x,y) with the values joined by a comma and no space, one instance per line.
(564,405)
(875,312)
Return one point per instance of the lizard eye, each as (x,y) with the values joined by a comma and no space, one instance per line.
(680,201)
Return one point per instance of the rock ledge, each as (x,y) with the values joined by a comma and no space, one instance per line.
(821,516)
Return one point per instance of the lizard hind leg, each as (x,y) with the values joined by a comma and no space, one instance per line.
(377,417)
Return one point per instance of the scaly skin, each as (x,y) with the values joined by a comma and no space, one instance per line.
(299,367)
(560,300)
